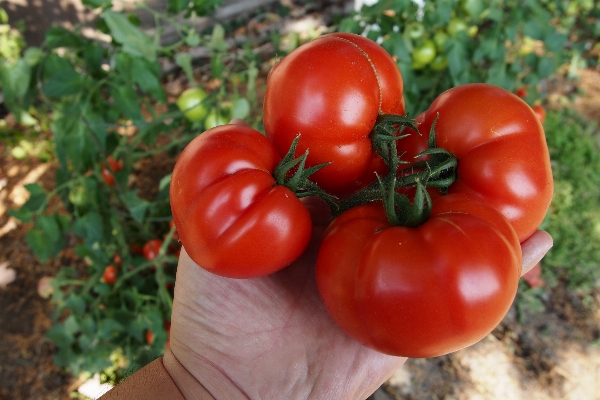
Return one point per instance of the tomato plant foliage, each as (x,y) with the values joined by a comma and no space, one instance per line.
(112,124)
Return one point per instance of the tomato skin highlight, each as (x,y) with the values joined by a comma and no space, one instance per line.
(232,217)
(501,150)
(314,93)
(425,291)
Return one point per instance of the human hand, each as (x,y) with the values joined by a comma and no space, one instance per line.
(272,338)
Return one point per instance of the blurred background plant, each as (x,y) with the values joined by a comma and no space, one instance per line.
(111,115)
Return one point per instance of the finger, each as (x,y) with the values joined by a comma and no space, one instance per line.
(534,249)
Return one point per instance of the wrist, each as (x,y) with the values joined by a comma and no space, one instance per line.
(208,382)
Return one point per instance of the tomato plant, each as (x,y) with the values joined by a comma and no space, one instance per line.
(501,150)
(151,249)
(313,92)
(192,103)
(423,291)
(232,216)
(110,275)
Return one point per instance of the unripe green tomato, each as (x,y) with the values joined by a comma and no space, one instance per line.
(455,26)
(77,195)
(190,102)
(440,38)
(415,30)
(214,118)
(425,53)
(439,63)
(472,31)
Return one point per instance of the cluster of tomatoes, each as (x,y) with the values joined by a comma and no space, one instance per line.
(429,51)
(423,256)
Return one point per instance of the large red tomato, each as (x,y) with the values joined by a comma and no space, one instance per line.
(424,291)
(331,92)
(501,150)
(232,217)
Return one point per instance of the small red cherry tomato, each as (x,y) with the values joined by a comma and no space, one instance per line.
(151,249)
(110,275)
(108,177)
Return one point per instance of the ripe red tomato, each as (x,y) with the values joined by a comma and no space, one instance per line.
(521,92)
(149,336)
(540,112)
(114,164)
(108,177)
(331,91)
(232,217)
(424,291)
(151,249)
(501,150)
(110,275)
(117,260)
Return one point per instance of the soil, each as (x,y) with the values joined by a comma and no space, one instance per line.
(547,355)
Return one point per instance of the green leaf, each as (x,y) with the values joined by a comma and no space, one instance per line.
(108,328)
(60,336)
(126,100)
(33,56)
(65,83)
(217,39)
(184,60)
(93,56)
(545,67)
(14,79)
(73,142)
(61,37)
(46,239)
(97,3)
(474,7)
(42,248)
(134,41)
(164,182)
(137,206)
(555,41)
(102,289)
(458,62)
(240,108)
(89,227)
(147,76)
(216,65)
(76,304)
(176,6)
(533,29)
